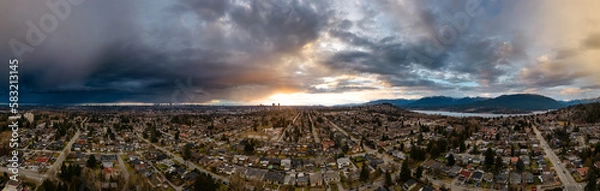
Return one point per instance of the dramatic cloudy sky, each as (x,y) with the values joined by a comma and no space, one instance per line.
(300,51)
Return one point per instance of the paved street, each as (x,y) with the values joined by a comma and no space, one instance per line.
(566,178)
(188,164)
(52,169)
(314,130)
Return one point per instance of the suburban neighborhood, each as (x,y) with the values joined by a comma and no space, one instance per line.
(374,147)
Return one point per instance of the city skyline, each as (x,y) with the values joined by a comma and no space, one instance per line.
(299,52)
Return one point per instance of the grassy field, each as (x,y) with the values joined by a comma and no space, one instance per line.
(258,133)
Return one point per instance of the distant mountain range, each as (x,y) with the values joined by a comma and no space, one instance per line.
(516,103)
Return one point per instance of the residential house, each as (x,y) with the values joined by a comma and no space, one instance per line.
(410,184)
(488,177)
(582,172)
(398,154)
(515,178)
(331,176)
(290,179)
(343,162)
(302,180)
(477,176)
(454,171)
(286,164)
(502,178)
(316,179)
(427,188)
(577,163)
(13,185)
(526,160)
(274,178)
(528,177)
(477,160)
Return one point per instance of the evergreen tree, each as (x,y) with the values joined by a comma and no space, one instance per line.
(187,152)
(205,183)
(591,185)
(364,173)
(512,151)
(388,179)
(404,172)
(249,147)
(91,162)
(520,165)
(48,186)
(489,158)
(451,161)
(498,166)
(419,172)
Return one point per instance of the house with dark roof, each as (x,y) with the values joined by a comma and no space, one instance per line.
(477,176)
(302,179)
(454,171)
(515,178)
(427,188)
(528,177)
(502,178)
(331,176)
(274,178)
(577,164)
(190,177)
(410,184)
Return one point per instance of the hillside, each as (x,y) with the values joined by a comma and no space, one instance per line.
(513,104)
(437,102)
(433,102)
(583,113)
(395,102)
(580,101)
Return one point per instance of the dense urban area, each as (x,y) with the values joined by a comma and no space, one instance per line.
(374,147)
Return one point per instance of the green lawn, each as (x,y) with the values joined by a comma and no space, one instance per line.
(548,162)
(485,184)
(334,187)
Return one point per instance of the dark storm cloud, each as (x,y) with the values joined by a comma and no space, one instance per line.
(478,55)
(351,38)
(415,82)
(108,51)
(483,58)
(226,47)
(208,10)
(368,62)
